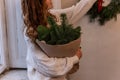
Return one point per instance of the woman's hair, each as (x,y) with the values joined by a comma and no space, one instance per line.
(35,12)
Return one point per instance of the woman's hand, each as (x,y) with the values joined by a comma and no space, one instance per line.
(76,66)
(79,53)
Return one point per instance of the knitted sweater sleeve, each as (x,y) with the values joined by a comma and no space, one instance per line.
(52,67)
(75,12)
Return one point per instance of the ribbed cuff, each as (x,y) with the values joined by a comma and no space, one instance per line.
(75,59)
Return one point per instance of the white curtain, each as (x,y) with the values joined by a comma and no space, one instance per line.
(3,45)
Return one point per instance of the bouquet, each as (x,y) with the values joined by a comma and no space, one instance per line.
(59,40)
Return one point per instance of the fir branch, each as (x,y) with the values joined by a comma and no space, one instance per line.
(109,12)
(58,34)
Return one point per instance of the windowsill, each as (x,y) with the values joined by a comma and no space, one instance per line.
(14,75)
(2,68)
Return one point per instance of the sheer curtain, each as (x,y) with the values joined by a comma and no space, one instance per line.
(3,38)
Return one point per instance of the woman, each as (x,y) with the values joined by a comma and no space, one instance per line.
(39,65)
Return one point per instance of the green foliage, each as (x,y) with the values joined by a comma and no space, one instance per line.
(43,33)
(58,34)
(109,12)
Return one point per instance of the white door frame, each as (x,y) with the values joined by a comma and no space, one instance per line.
(3,38)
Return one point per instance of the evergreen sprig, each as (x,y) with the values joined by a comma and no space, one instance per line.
(109,12)
(58,34)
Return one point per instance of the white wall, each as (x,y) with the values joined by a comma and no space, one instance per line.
(101,50)
(56,4)
(66,3)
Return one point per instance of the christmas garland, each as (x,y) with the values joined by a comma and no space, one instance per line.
(104,13)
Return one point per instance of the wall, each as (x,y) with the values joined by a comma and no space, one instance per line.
(66,3)
(56,4)
(101,51)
